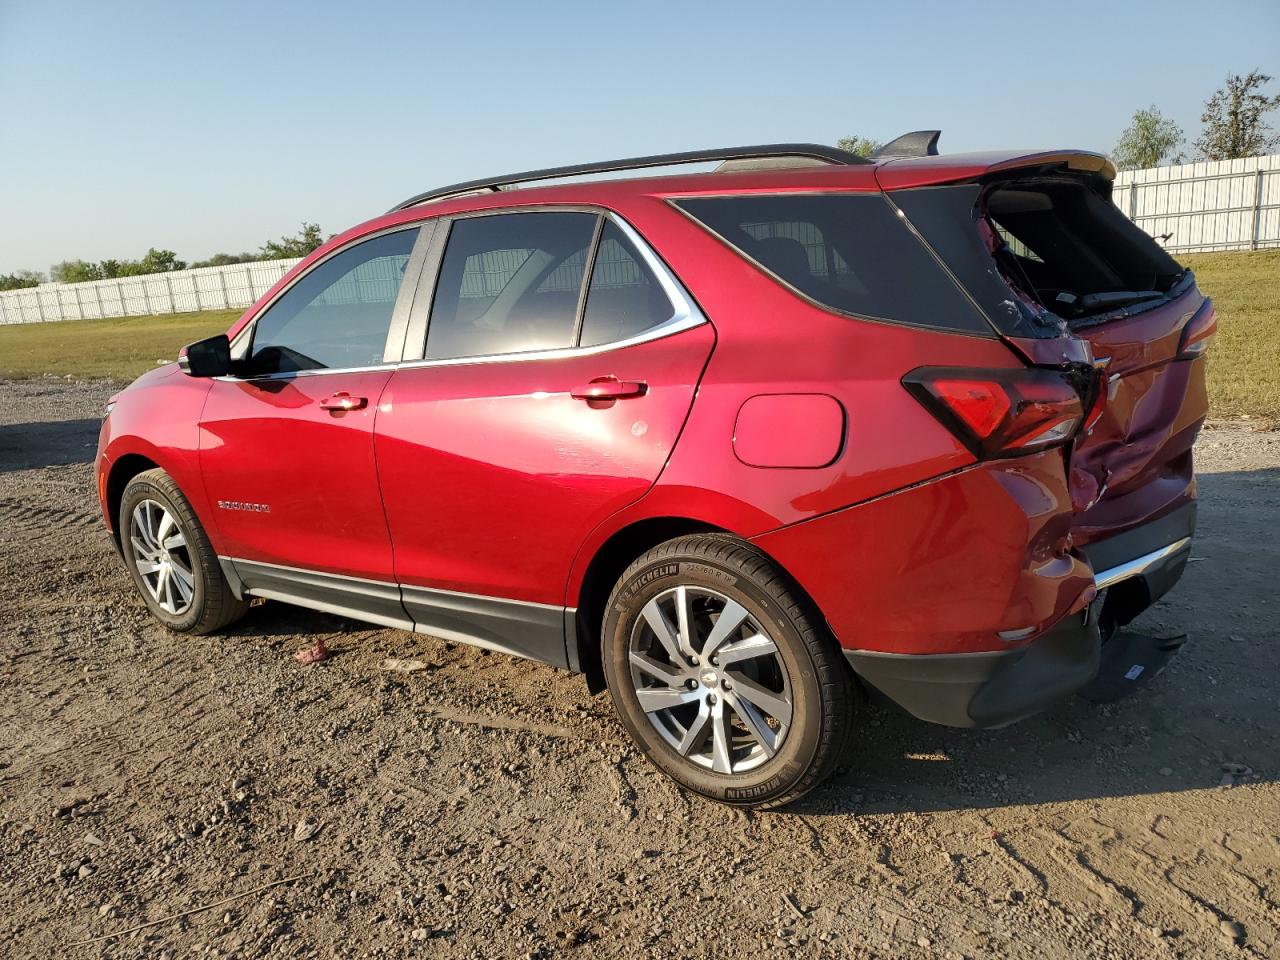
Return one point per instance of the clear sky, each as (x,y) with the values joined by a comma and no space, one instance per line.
(211,127)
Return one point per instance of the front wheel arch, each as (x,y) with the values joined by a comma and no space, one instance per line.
(123,471)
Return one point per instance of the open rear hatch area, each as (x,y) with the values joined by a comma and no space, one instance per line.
(1068,280)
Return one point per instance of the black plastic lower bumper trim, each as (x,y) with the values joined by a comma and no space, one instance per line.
(987,689)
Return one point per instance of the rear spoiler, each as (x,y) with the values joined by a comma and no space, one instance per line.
(901,173)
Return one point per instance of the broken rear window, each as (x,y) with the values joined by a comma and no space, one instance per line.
(1037,251)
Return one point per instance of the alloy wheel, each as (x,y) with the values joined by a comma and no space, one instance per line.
(162,556)
(710,679)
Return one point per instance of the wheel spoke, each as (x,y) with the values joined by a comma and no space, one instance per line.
(730,619)
(684,621)
(653,699)
(141,529)
(659,671)
(721,757)
(663,630)
(771,703)
(166,524)
(147,567)
(175,542)
(757,645)
(756,725)
(697,731)
(163,596)
(181,580)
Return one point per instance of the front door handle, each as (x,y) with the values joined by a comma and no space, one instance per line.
(343,402)
(610,388)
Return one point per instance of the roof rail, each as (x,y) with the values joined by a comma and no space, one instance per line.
(918,143)
(811,151)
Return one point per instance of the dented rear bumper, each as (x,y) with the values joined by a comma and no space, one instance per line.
(994,688)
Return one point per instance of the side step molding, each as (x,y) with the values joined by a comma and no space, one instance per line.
(534,631)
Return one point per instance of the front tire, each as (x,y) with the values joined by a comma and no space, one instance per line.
(721,674)
(170,558)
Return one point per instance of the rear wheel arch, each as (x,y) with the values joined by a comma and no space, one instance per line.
(612,559)
(606,566)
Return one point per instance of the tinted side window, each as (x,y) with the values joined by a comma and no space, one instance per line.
(509,283)
(337,315)
(846,251)
(624,298)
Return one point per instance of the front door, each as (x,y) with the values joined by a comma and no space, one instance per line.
(286,443)
(551,394)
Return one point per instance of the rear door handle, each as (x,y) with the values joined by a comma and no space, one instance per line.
(343,402)
(610,388)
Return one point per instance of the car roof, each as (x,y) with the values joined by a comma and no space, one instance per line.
(893,173)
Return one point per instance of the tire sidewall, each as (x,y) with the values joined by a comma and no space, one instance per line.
(145,489)
(776,776)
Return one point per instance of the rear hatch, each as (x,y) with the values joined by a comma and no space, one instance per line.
(1066,278)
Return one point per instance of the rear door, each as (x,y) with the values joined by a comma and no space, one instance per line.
(558,366)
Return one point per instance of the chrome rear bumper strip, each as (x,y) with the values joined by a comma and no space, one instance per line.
(1139,565)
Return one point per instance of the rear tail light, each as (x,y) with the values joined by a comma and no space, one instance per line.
(1198,333)
(1001,413)
(1096,394)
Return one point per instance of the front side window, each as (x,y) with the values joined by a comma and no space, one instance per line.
(338,315)
(509,283)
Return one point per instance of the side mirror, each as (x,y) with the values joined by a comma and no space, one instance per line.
(206,358)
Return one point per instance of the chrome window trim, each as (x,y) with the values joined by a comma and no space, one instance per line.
(685,312)
(685,316)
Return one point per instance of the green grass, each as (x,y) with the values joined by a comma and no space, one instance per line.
(1244,362)
(119,349)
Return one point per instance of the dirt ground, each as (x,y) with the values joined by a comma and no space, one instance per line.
(488,807)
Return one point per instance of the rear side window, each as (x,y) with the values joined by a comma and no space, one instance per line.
(624,298)
(509,283)
(848,252)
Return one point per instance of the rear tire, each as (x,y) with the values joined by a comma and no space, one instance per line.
(744,697)
(170,559)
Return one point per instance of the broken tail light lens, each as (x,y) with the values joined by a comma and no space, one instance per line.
(1198,333)
(1001,413)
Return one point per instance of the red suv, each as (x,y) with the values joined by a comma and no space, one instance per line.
(736,445)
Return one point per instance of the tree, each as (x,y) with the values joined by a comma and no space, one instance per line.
(1233,118)
(225,259)
(308,238)
(78,271)
(75,271)
(1150,139)
(862,146)
(159,261)
(20,279)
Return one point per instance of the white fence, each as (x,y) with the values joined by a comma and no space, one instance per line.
(1223,205)
(1219,205)
(234,286)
